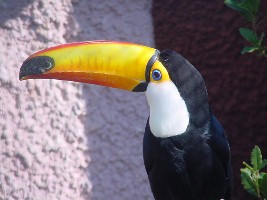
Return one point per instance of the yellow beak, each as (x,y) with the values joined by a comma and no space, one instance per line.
(113,64)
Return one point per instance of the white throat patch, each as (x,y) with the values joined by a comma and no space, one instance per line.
(168,112)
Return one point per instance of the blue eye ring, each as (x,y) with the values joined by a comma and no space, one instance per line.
(156,74)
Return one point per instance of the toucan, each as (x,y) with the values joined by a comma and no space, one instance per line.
(185,148)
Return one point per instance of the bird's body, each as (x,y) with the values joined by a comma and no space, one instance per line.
(186,153)
(193,164)
(187,166)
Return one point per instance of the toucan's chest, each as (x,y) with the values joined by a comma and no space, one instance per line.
(177,166)
(176,153)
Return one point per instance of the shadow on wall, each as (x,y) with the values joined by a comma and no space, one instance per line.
(11,9)
(115,119)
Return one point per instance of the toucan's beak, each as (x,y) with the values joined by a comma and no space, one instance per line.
(113,64)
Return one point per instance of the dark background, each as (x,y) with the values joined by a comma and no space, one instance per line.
(206,33)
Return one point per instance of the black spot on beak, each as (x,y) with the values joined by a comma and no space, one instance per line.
(141,87)
(36,65)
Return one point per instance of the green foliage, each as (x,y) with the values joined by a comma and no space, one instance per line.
(251,36)
(249,9)
(254,40)
(253,180)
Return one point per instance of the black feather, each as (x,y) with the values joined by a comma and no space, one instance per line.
(195,165)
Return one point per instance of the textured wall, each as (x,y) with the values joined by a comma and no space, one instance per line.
(63,140)
(206,33)
(115,120)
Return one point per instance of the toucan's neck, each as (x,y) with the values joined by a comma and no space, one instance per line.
(190,85)
(168,112)
(193,90)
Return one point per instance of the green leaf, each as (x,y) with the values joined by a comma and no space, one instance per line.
(248,8)
(256,158)
(233,4)
(263,164)
(250,36)
(263,184)
(248,167)
(250,5)
(248,182)
(249,49)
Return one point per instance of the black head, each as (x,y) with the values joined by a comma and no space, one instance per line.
(190,84)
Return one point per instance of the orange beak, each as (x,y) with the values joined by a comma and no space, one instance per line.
(113,64)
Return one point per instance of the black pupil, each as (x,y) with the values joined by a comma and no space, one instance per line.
(156,74)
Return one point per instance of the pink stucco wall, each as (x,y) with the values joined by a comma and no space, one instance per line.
(63,140)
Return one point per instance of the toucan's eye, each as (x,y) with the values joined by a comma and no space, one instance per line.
(156,75)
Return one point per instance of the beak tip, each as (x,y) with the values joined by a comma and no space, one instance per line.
(22,73)
(36,66)
(22,78)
